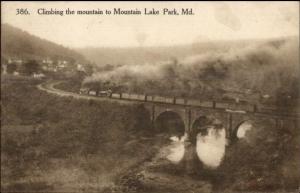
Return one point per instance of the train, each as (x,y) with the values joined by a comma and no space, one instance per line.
(240,106)
(86,91)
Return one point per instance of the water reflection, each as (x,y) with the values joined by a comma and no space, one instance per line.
(243,128)
(176,149)
(210,147)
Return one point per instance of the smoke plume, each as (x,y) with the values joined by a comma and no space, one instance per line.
(268,67)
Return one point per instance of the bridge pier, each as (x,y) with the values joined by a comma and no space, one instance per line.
(152,114)
(279,123)
(229,127)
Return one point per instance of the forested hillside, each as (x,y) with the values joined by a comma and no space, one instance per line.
(150,55)
(16,43)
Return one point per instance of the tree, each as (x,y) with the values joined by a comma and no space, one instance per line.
(11,68)
(31,67)
(89,69)
(72,61)
(3,61)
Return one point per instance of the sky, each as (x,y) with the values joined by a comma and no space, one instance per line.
(211,21)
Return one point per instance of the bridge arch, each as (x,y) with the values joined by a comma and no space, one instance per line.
(170,122)
(201,125)
(240,130)
(256,124)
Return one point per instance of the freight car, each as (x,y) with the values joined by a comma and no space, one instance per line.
(93,92)
(104,93)
(235,106)
(130,96)
(83,91)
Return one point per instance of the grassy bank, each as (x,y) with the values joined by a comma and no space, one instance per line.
(266,160)
(50,143)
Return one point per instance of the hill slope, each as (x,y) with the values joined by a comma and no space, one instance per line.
(17,43)
(143,55)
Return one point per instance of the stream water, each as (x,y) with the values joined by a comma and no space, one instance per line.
(210,145)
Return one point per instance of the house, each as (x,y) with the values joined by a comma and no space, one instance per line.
(38,75)
(4,69)
(80,67)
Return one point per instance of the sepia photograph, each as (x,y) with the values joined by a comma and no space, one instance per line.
(150,97)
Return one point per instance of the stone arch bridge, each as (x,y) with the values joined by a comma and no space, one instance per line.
(229,115)
(229,119)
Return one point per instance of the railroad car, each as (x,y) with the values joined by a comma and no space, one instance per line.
(116,95)
(179,101)
(193,102)
(159,99)
(125,96)
(141,97)
(83,91)
(149,98)
(222,105)
(261,108)
(170,100)
(207,104)
(93,92)
(104,93)
(241,107)
(137,97)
